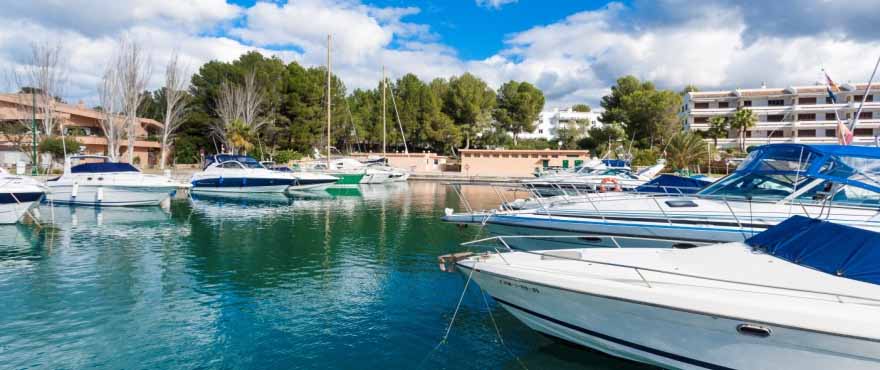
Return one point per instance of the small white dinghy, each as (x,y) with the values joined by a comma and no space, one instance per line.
(801,295)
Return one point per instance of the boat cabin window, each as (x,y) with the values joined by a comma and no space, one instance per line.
(235,165)
(866,170)
(756,185)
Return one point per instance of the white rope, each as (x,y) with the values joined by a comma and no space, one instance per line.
(498,331)
(452,321)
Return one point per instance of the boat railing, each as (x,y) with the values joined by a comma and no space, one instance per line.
(639,270)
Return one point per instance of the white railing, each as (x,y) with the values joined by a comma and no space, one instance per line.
(502,240)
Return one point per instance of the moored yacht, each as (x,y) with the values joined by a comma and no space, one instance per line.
(304,180)
(600,178)
(801,295)
(776,181)
(226,173)
(18,194)
(96,180)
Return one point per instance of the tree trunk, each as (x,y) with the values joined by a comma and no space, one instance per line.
(163,153)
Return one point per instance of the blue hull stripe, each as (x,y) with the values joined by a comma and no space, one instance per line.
(8,198)
(241,182)
(622,342)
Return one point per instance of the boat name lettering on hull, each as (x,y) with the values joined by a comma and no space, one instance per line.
(518,285)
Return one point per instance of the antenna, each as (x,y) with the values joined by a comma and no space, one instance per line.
(855,120)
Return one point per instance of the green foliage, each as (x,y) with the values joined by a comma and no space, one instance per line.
(55,146)
(599,139)
(469,103)
(518,106)
(569,133)
(186,150)
(581,108)
(718,127)
(645,157)
(285,156)
(741,121)
(650,116)
(685,149)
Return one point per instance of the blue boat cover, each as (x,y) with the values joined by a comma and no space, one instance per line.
(672,184)
(248,161)
(615,163)
(103,167)
(828,247)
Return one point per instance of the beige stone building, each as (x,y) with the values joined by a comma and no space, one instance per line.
(413,162)
(517,163)
(799,114)
(78,122)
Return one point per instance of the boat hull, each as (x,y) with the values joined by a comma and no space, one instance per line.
(348,179)
(670,337)
(109,196)
(13,206)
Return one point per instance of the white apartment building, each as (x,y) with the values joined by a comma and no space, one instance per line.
(799,114)
(549,121)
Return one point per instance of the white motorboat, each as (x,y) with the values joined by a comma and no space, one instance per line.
(226,173)
(18,194)
(802,295)
(95,180)
(777,181)
(304,180)
(594,179)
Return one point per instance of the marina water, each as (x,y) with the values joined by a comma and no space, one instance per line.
(347,280)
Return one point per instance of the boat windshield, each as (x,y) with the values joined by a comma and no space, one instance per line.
(757,186)
(246,161)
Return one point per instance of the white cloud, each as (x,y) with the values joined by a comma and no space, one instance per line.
(711,44)
(494,4)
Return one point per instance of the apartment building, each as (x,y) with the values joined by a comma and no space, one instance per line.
(799,114)
(550,121)
(78,122)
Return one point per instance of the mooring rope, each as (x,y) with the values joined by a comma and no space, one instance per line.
(498,332)
(452,321)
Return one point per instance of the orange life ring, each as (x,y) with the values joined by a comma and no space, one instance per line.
(609,180)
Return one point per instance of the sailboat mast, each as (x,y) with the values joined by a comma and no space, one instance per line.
(328,101)
(384,130)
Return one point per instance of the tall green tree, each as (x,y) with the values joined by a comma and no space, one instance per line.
(718,127)
(469,102)
(583,108)
(741,121)
(518,106)
(684,150)
(649,115)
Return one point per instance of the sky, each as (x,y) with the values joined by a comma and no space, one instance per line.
(573,50)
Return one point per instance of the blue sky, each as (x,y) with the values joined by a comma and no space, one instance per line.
(572,50)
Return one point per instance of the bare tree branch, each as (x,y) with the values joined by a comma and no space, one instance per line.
(239,102)
(175,95)
(111,122)
(133,71)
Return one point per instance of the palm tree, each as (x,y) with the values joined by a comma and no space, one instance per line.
(742,121)
(684,149)
(718,127)
(239,135)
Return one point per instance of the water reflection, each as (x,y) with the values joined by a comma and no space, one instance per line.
(344,281)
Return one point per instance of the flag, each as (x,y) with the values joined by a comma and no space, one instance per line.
(831,87)
(844,135)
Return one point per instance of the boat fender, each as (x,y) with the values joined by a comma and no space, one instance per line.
(100,194)
(74,190)
(609,180)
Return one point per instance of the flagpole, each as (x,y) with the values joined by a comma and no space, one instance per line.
(855,120)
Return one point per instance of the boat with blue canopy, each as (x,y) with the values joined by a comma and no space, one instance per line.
(227,173)
(96,180)
(777,181)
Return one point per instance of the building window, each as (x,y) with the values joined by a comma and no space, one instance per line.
(866,115)
(701,119)
(749,133)
(807,101)
(830,117)
(540,131)
(701,105)
(776,102)
(830,132)
(863,132)
(807,133)
(775,117)
(747,103)
(859,98)
(723,104)
(807,117)
(828,100)
(776,133)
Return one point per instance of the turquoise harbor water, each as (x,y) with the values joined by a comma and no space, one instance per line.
(343,281)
